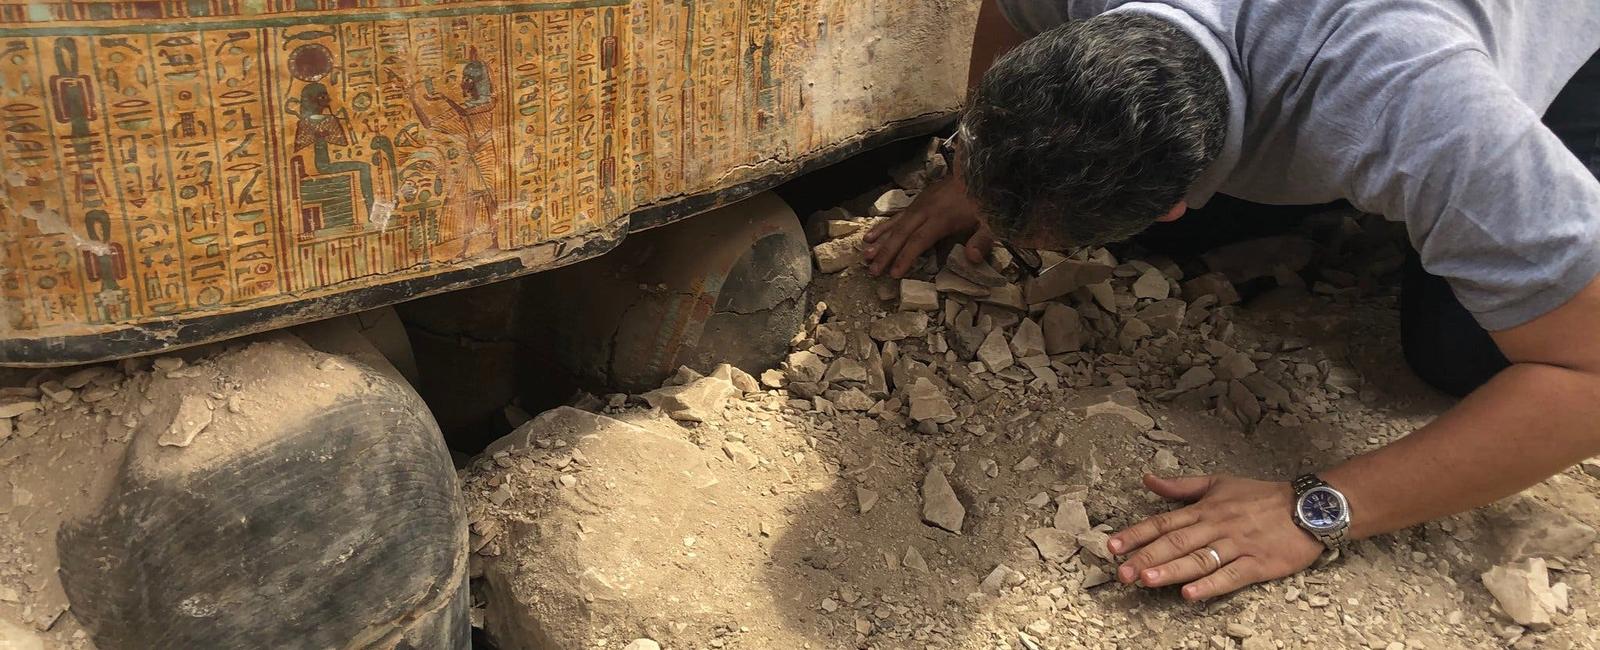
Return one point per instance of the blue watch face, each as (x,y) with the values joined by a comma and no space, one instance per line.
(1321,508)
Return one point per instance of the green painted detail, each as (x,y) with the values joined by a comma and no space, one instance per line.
(332,194)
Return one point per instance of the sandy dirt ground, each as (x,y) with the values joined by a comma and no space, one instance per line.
(937,462)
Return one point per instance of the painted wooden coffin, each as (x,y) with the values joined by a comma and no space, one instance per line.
(179,171)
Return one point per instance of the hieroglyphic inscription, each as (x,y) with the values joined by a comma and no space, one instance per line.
(181,159)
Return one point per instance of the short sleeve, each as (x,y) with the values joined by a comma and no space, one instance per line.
(1491,199)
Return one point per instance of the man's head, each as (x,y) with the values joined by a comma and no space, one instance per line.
(1091,131)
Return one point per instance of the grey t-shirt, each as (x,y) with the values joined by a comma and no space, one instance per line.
(1425,111)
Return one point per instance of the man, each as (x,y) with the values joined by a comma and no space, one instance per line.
(1118,115)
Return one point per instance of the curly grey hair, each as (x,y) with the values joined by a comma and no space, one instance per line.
(1088,132)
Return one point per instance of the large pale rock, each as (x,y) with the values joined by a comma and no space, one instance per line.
(695,401)
(740,379)
(928,403)
(13,407)
(948,282)
(1062,329)
(1028,341)
(845,369)
(1006,295)
(1523,591)
(852,400)
(1071,516)
(1151,285)
(940,507)
(979,273)
(995,353)
(917,295)
(838,254)
(1164,315)
(1053,545)
(1001,577)
(1064,278)
(577,573)
(1234,365)
(891,202)
(804,366)
(193,416)
(899,325)
(1094,543)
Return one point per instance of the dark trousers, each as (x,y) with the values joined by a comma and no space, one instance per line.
(1443,344)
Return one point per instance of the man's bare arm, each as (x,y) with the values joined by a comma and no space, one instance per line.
(1532,420)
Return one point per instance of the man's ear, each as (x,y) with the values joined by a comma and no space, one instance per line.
(1174,213)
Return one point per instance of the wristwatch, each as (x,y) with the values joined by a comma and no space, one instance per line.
(1321,510)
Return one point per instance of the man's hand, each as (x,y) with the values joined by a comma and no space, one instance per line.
(940,210)
(1248,523)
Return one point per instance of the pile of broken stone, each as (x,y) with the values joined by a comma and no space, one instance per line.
(1084,321)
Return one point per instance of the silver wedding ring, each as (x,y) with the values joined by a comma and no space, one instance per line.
(1216,558)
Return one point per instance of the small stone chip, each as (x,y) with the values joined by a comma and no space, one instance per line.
(995,353)
(1071,516)
(866,499)
(891,202)
(1001,577)
(913,560)
(194,415)
(1151,285)
(1054,545)
(17,407)
(1094,542)
(917,295)
(940,507)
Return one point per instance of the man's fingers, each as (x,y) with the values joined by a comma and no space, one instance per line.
(1179,488)
(881,231)
(1231,577)
(884,251)
(918,243)
(1151,528)
(1169,547)
(1196,564)
(883,226)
